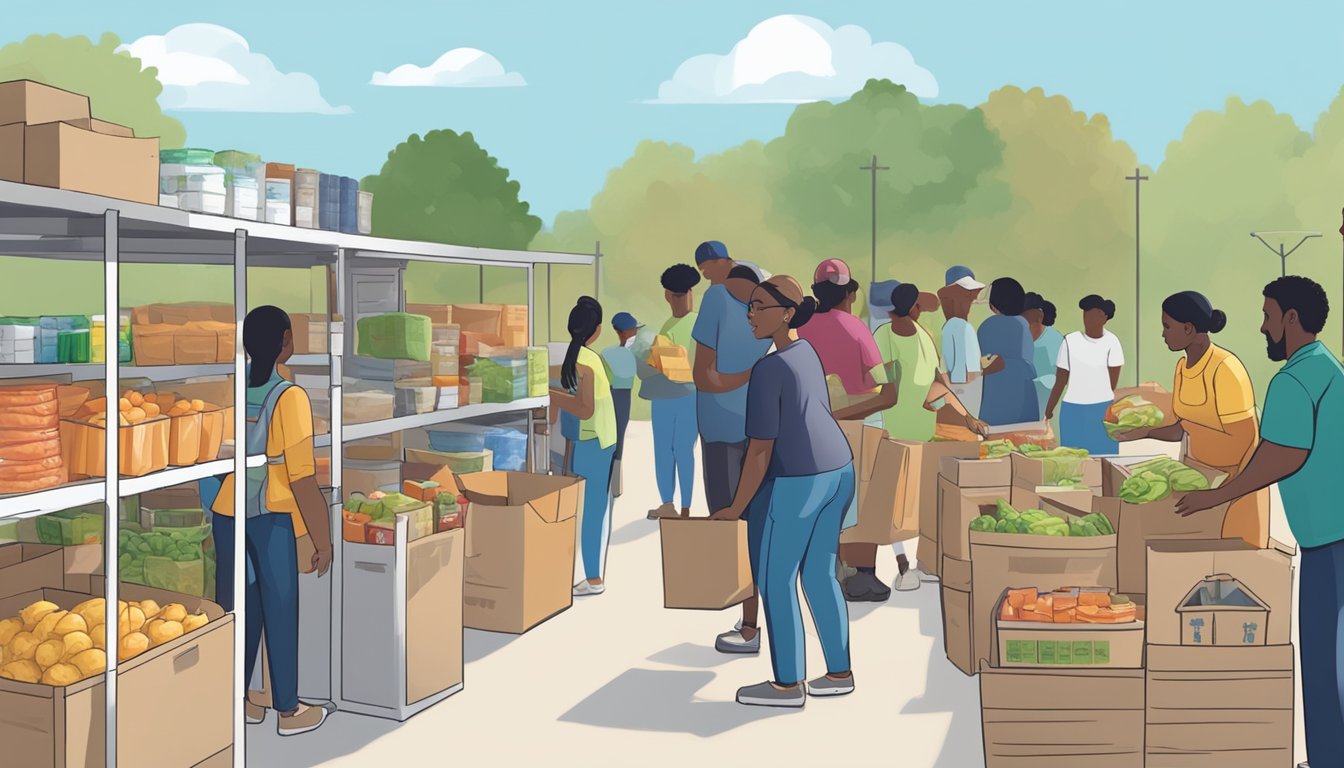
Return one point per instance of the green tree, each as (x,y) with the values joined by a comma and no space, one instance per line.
(119,90)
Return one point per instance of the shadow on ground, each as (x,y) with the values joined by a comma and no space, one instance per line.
(949,691)
(476,645)
(664,701)
(343,734)
(633,531)
(701,656)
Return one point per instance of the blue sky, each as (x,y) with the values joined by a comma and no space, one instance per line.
(590,67)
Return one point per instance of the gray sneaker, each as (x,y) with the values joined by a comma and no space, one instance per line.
(767,695)
(825,686)
(908,581)
(734,642)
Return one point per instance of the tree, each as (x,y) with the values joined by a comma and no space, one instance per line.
(445,188)
(119,90)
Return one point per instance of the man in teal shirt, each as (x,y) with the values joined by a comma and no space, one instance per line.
(620,362)
(1302,450)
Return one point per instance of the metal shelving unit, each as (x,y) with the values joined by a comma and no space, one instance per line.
(39,222)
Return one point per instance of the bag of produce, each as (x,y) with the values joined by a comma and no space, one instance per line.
(1156,479)
(1132,412)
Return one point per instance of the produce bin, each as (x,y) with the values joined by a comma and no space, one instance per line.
(184,439)
(401,625)
(143,447)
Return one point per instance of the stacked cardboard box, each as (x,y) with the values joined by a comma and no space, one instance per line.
(48,138)
(183,334)
(964,484)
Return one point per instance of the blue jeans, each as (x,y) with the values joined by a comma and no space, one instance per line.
(272,597)
(620,400)
(1320,611)
(799,533)
(592,462)
(674,435)
(1083,426)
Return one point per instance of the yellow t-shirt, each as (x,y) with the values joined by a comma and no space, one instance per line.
(1214,393)
(291,436)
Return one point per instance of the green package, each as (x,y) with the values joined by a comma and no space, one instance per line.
(394,336)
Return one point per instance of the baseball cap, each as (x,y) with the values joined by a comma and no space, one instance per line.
(832,271)
(761,274)
(710,250)
(964,277)
(624,321)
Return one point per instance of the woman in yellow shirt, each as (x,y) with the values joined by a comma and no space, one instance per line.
(1214,406)
(281,492)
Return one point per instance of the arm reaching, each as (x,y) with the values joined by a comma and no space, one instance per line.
(1270,464)
(753,474)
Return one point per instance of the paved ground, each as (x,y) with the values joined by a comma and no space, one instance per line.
(618,680)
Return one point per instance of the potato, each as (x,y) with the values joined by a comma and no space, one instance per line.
(9,628)
(151,397)
(36,612)
(160,631)
(99,637)
(61,674)
(22,671)
(22,647)
(151,410)
(48,623)
(70,622)
(135,620)
(90,662)
(49,652)
(180,408)
(124,405)
(76,643)
(135,415)
(194,622)
(131,646)
(92,611)
(173,612)
(136,399)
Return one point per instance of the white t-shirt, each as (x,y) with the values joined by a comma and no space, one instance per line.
(1088,362)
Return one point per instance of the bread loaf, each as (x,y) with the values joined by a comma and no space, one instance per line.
(31,451)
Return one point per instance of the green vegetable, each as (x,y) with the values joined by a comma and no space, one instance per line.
(1005,526)
(1005,511)
(1132,412)
(1100,523)
(984,523)
(1033,515)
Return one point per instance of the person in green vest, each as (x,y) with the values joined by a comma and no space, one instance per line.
(586,394)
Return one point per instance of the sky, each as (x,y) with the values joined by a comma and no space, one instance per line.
(562,92)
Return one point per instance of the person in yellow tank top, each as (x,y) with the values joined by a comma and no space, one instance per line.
(1214,406)
(587,395)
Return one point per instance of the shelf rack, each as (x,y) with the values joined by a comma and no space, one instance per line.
(40,222)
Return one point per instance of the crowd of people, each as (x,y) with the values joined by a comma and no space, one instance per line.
(777,368)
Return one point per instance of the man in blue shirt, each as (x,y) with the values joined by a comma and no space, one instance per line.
(1302,449)
(961,347)
(725,351)
(620,362)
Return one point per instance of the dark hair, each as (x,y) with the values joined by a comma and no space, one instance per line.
(743,272)
(1048,314)
(1007,296)
(1194,308)
(584,320)
(1034,300)
(903,299)
(1093,301)
(802,311)
(829,295)
(1304,295)
(263,338)
(680,278)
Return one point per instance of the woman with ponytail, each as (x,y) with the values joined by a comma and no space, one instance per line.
(1214,406)
(797,481)
(284,503)
(587,396)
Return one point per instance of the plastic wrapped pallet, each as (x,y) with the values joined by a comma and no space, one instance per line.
(191,180)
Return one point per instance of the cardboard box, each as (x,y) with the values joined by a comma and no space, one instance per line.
(174,701)
(1029,472)
(1070,718)
(438,314)
(11,152)
(29,102)
(1003,560)
(1176,566)
(364,407)
(1077,500)
(63,156)
(1219,707)
(367,477)
(1221,611)
(29,567)
(102,126)
(1138,525)
(1034,645)
(957,508)
(705,563)
(143,448)
(977,473)
(520,548)
(483,319)
(310,333)
(381,448)
(460,463)
(958,638)
(901,501)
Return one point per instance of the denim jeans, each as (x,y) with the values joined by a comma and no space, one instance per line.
(593,463)
(799,534)
(1320,612)
(272,597)
(674,436)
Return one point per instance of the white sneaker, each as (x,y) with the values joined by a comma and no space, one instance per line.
(585,589)
(907,582)
(734,642)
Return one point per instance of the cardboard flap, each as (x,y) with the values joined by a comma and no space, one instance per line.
(1220,592)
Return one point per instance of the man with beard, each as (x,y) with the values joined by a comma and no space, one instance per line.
(1302,450)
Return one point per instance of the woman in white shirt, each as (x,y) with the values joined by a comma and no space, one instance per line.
(1089,369)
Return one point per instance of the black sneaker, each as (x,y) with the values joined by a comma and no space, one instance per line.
(865,587)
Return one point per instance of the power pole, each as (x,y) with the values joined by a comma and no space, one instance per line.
(1138,178)
(872,169)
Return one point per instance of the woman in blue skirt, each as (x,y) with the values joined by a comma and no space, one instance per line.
(1086,375)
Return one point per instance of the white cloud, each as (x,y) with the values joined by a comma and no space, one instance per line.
(794,60)
(207,67)
(458,68)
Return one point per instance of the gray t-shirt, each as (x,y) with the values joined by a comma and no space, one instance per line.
(787,402)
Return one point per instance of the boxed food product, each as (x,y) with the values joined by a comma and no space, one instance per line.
(483,319)
(439,314)
(364,223)
(153,344)
(1216,707)
(958,635)
(413,396)
(394,336)
(1073,626)
(538,371)
(381,448)
(29,102)
(957,508)
(1021,709)
(63,156)
(363,407)
(369,476)
(520,548)
(1067,467)
(705,563)
(461,463)
(310,333)
(1177,566)
(306,198)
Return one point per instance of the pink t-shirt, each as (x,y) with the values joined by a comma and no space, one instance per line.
(846,348)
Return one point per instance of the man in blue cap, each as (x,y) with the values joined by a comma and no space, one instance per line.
(620,362)
(961,347)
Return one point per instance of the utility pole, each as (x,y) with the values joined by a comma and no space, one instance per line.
(597,270)
(1282,251)
(872,169)
(1138,178)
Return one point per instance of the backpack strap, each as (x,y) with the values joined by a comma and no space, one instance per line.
(268,407)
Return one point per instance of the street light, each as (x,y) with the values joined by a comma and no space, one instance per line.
(1283,236)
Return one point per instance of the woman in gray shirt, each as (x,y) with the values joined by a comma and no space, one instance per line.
(796,486)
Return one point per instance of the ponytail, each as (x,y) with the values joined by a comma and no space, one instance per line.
(584,320)
(803,312)
(264,339)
